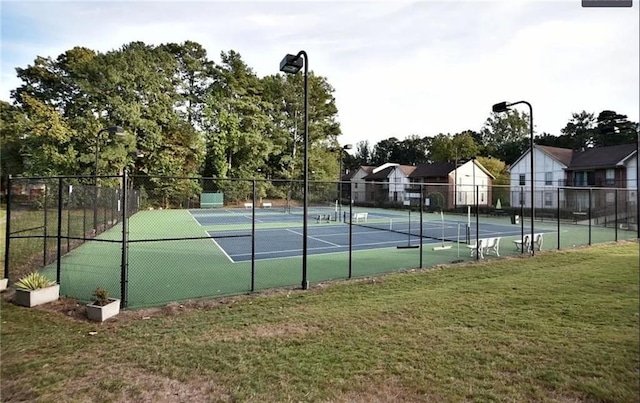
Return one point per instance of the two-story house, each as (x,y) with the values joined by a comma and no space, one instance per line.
(388,182)
(446,186)
(602,167)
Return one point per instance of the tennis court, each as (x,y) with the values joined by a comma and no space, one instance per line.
(336,237)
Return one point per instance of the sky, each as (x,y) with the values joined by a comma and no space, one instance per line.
(398,68)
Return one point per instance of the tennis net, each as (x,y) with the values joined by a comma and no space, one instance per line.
(452,232)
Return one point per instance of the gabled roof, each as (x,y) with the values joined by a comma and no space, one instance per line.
(602,157)
(563,155)
(382,174)
(407,169)
(433,170)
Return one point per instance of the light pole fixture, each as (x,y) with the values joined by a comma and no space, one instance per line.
(345,147)
(503,107)
(112,130)
(291,64)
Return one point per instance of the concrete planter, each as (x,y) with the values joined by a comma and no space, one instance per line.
(101,313)
(40,296)
(3,283)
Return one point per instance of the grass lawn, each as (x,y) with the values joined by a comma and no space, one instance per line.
(562,326)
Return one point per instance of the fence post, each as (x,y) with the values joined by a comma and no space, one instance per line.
(558,213)
(615,212)
(59,245)
(350,230)
(7,230)
(124,266)
(253,238)
(421,233)
(590,189)
(44,243)
(477,222)
(69,218)
(522,219)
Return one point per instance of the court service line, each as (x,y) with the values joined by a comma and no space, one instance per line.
(324,248)
(314,238)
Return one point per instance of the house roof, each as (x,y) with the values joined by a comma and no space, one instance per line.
(436,169)
(602,157)
(407,169)
(563,155)
(382,174)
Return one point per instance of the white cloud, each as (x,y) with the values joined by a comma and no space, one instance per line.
(398,68)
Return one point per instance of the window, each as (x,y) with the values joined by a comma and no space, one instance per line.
(610,177)
(482,197)
(521,179)
(356,185)
(548,178)
(548,199)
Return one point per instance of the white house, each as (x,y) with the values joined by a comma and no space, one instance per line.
(358,184)
(550,164)
(469,178)
(603,167)
(388,182)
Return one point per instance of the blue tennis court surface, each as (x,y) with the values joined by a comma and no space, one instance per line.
(331,238)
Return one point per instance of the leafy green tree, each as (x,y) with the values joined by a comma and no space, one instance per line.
(387,150)
(13,123)
(504,135)
(445,147)
(612,129)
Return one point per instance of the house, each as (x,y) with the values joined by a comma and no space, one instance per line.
(388,183)
(603,167)
(356,178)
(550,164)
(449,187)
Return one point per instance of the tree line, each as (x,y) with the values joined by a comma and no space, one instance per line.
(186,115)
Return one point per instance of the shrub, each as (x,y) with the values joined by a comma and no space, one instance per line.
(34,281)
(102,296)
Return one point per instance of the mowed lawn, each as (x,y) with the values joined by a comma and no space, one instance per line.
(562,326)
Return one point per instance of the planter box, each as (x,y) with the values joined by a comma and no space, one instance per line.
(101,313)
(37,297)
(3,283)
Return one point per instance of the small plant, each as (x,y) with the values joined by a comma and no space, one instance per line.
(34,281)
(102,296)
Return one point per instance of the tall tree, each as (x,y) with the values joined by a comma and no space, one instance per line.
(504,135)
(612,129)
(363,154)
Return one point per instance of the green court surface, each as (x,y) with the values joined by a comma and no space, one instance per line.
(169,270)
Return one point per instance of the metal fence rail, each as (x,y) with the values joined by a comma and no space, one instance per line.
(149,241)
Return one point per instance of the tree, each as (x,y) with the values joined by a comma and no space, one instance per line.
(501,182)
(612,129)
(578,132)
(504,135)
(387,150)
(363,154)
(13,125)
(461,146)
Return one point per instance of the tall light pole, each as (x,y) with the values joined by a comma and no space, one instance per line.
(503,107)
(111,130)
(339,150)
(291,64)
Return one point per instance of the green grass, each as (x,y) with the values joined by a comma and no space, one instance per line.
(560,327)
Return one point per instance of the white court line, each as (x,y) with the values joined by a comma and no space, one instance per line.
(222,250)
(250,218)
(322,248)
(312,237)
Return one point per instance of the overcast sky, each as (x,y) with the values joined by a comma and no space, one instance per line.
(398,68)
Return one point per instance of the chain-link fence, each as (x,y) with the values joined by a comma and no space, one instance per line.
(188,238)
